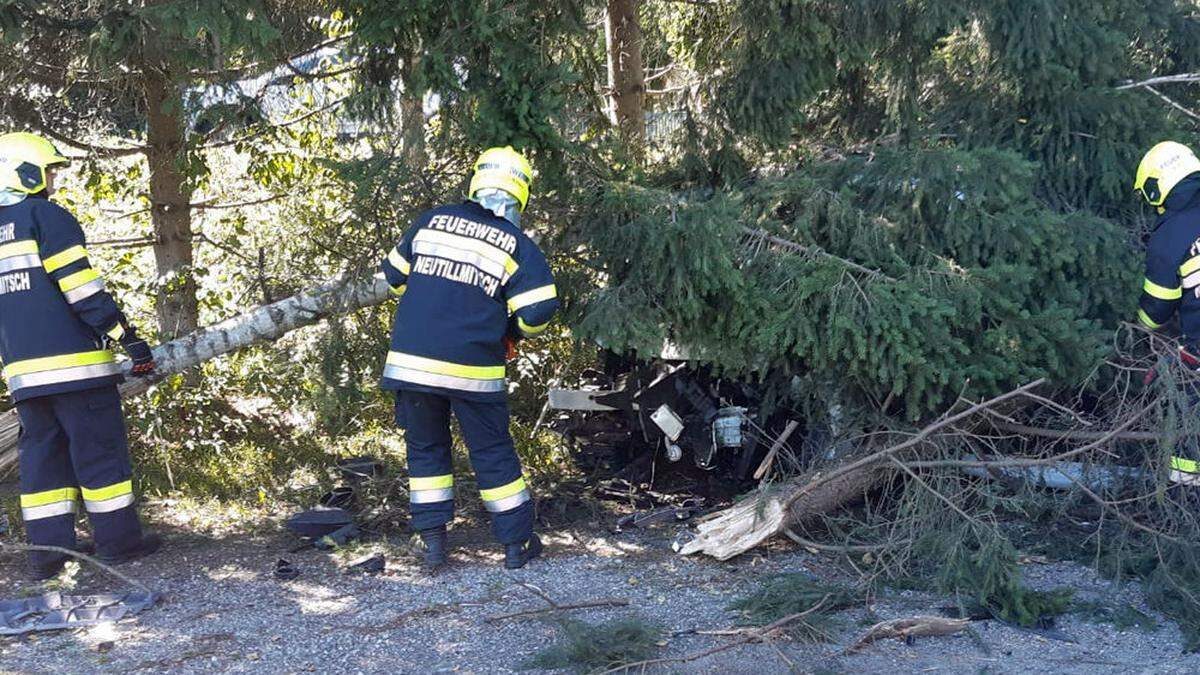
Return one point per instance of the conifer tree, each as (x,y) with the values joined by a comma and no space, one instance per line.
(122,79)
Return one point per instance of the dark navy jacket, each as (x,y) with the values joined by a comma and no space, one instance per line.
(466,279)
(54,310)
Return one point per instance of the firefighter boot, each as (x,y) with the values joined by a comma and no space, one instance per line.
(41,571)
(516,555)
(149,544)
(435,548)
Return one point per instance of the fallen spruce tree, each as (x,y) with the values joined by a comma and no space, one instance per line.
(954,350)
(959,503)
(263,324)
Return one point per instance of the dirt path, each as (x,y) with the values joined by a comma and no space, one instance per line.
(223,612)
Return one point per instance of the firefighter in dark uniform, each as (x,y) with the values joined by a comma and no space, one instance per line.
(57,326)
(1168,178)
(470,282)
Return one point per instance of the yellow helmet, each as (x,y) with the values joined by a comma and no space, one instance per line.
(1161,170)
(23,161)
(503,169)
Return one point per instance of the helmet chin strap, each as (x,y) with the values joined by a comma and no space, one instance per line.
(10,197)
(500,203)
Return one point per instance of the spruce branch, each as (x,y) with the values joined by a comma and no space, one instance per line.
(812,250)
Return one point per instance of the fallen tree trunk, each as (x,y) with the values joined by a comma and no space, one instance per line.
(264,324)
(752,521)
(756,519)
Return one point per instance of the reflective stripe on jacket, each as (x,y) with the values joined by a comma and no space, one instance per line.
(466,279)
(54,309)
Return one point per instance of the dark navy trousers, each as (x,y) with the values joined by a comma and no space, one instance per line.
(74,446)
(425,416)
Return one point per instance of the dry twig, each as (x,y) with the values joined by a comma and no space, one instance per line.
(775,448)
(76,554)
(587,604)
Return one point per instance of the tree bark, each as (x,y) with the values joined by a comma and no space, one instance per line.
(264,324)
(626,75)
(171,211)
(412,115)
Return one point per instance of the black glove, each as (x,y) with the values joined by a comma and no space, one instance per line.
(139,352)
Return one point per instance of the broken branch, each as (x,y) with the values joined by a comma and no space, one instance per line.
(76,554)
(813,250)
(605,602)
(915,626)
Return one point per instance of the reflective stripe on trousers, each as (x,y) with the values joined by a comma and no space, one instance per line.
(108,498)
(430,489)
(445,381)
(505,497)
(49,503)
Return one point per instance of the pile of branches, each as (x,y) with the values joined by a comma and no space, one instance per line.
(1085,476)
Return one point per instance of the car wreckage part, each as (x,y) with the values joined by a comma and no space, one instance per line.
(684,411)
(319,522)
(56,611)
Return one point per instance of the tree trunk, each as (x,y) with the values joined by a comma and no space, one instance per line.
(267,323)
(752,521)
(626,77)
(412,115)
(170,211)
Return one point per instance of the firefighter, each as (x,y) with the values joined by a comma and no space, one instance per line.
(470,283)
(57,327)
(1168,178)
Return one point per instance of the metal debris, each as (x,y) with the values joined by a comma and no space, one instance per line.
(340,537)
(372,564)
(285,570)
(356,469)
(340,497)
(318,522)
(676,514)
(58,611)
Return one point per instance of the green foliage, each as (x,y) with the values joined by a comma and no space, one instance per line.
(586,647)
(955,173)
(1172,588)
(499,83)
(1169,573)
(977,288)
(979,567)
(1047,70)
(196,32)
(237,444)
(1034,77)
(787,594)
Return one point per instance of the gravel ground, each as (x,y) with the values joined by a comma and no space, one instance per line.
(223,612)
